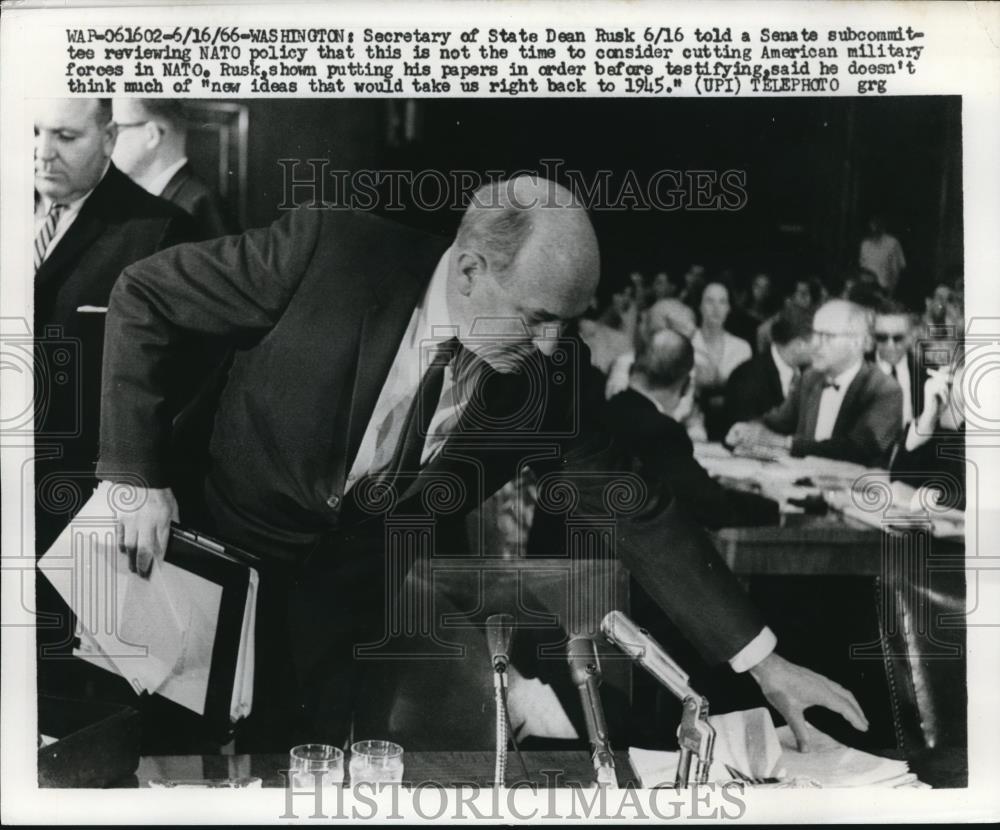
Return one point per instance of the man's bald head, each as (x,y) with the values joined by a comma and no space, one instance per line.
(841,330)
(668,314)
(525,261)
(666,360)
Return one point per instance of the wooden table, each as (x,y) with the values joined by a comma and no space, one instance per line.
(547,769)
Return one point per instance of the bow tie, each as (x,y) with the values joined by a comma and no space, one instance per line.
(829,384)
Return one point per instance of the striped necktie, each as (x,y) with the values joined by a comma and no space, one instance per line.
(46,232)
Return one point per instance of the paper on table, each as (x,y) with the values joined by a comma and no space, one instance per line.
(831,764)
(745,740)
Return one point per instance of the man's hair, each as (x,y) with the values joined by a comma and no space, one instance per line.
(792,322)
(893,308)
(665,360)
(169,110)
(495,227)
(103,113)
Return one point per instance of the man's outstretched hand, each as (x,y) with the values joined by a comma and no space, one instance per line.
(791,689)
(143,532)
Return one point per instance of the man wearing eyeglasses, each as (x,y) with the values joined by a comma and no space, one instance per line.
(844,408)
(893,341)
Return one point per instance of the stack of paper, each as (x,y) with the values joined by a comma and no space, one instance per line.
(157,632)
(749,743)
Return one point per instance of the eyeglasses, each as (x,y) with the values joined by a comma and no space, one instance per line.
(125,126)
(882,337)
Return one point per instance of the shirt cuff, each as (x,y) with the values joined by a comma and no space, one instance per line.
(754,651)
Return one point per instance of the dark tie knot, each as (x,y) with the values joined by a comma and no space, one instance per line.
(829,384)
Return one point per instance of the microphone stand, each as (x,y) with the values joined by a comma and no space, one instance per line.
(499,632)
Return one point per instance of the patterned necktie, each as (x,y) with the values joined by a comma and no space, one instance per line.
(412,429)
(46,232)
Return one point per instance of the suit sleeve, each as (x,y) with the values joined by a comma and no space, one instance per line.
(871,438)
(741,394)
(670,555)
(231,291)
(784,418)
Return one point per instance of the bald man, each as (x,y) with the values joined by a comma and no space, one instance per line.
(844,407)
(386,382)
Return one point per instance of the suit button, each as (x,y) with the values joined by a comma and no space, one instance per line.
(333,502)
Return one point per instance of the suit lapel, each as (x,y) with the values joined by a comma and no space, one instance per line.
(845,415)
(391,304)
(811,395)
(88,226)
(176,182)
(774,379)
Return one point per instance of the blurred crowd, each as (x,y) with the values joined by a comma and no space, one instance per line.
(835,368)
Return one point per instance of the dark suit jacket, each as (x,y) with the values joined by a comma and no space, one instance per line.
(753,388)
(940,462)
(117,225)
(867,425)
(186,190)
(316,306)
(662,444)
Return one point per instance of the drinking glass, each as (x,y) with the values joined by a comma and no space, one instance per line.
(310,765)
(376,762)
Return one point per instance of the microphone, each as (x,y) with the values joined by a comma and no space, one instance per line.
(585,669)
(641,647)
(499,632)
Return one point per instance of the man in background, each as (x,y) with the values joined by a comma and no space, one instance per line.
(152,150)
(844,408)
(894,356)
(91,222)
(764,381)
(881,253)
(646,419)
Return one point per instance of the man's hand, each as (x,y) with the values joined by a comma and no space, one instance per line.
(143,532)
(792,689)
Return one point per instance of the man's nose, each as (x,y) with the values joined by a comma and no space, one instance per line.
(44,147)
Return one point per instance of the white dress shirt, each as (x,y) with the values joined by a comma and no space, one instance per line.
(904,380)
(66,218)
(786,373)
(829,403)
(430,321)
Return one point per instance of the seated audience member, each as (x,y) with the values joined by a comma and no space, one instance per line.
(881,253)
(893,338)
(751,307)
(843,408)
(665,314)
(931,452)
(807,294)
(694,280)
(152,151)
(613,332)
(647,418)
(764,382)
(716,354)
(662,287)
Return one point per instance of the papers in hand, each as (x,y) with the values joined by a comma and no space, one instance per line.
(159,633)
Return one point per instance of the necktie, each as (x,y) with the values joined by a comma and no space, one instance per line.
(414,428)
(831,385)
(892,371)
(46,232)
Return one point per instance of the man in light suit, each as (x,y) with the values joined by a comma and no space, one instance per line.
(381,375)
(152,151)
(844,408)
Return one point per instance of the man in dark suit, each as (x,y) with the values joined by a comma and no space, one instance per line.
(894,355)
(384,384)
(764,381)
(844,407)
(91,222)
(152,150)
(645,420)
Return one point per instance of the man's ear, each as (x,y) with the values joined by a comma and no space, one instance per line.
(471,267)
(109,138)
(154,134)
